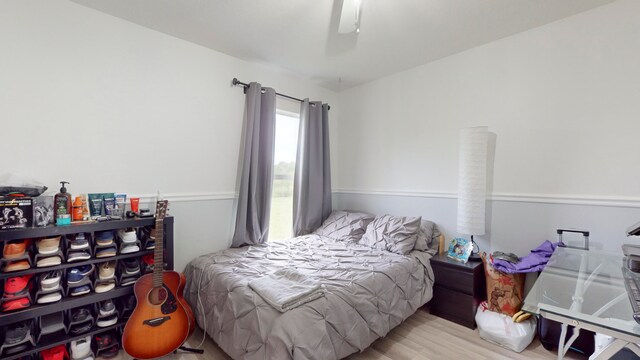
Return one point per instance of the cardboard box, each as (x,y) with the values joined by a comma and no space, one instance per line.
(43,211)
(16,213)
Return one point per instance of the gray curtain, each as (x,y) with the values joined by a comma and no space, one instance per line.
(254,202)
(312,180)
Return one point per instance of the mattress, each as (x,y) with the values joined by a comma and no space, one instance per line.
(368,292)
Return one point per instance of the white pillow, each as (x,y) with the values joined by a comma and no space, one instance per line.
(392,233)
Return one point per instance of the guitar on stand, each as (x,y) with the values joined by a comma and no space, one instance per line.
(162,320)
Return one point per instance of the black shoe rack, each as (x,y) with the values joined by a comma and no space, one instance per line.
(36,342)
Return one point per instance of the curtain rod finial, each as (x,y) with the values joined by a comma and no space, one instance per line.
(234,81)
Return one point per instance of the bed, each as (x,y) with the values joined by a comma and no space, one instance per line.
(369,291)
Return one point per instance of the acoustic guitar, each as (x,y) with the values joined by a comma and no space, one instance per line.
(162,320)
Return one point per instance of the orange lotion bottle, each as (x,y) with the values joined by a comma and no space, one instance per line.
(77,209)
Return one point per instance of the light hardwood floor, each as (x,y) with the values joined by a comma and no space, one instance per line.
(422,337)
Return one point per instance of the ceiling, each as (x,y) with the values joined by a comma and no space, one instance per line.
(301,37)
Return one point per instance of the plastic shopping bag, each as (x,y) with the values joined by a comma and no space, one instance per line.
(500,329)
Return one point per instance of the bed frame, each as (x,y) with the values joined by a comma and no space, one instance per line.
(441,244)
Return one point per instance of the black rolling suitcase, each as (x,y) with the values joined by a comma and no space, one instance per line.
(549,330)
(549,335)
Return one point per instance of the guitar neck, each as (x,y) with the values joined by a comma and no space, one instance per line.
(158,256)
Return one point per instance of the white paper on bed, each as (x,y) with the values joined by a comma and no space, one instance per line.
(285,289)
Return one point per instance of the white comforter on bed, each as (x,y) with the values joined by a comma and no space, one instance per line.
(368,292)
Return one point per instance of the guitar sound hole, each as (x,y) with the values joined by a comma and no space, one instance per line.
(157,296)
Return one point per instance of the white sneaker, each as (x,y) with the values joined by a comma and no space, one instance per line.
(48,246)
(104,287)
(50,281)
(81,348)
(49,261)
(107,270)
(126,249)
(49,298)
(107,308)
(107,322)
(127,236)
(78,256)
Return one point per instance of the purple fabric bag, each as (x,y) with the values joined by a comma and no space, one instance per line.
(533,262)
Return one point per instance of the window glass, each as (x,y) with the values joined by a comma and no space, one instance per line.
(284,164)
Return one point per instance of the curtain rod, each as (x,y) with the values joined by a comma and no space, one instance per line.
(235,81)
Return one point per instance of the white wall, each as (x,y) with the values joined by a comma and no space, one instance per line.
(562,100)
(112,106)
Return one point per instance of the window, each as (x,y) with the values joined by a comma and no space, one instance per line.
(284,165)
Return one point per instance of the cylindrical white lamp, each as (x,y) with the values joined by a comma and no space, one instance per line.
(472,180)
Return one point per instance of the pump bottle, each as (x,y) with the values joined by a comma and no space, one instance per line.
(62,202)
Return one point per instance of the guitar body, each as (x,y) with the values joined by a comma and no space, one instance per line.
(160,323)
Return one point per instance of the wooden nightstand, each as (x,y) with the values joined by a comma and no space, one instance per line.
(458,289)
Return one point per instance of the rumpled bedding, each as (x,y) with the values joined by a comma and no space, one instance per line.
(367,293)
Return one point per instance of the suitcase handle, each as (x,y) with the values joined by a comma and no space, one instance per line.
(584,233)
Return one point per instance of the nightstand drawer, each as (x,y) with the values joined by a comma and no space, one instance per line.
(454,279)
(454,306)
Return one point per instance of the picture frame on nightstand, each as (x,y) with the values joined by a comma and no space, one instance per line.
(460,250)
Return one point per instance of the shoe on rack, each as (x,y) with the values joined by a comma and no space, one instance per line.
(107,308)
(106,252)
(77,274)
(15,249)
(127,236)
(78,256)
(16,349)
(104,238)
(50,281)
(80,348)
(17,287)
(55,353)
(131,266)
(105,286)
(148,259)
(17,266)
(80,242)
(80,290)
(147,233)
(104,341)
(48,246)
(111,320)
(81,328)
(16,304)
(110,352)
(129,248)
(129,280)
(107,270)
(49,298)
(52,323)
(150,245)
(16,333)
(80,314)
(49,261)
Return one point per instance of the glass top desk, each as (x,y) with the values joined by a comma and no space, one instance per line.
(585,289)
